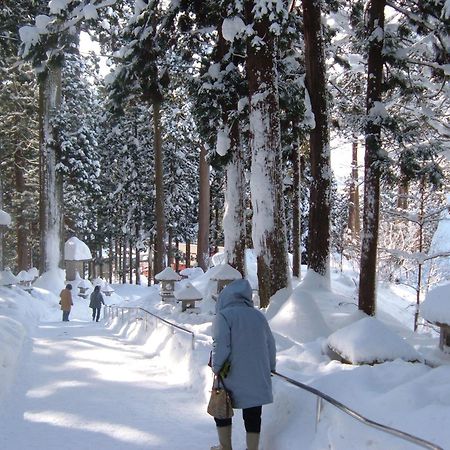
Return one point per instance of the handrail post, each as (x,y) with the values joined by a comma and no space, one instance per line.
(319,405)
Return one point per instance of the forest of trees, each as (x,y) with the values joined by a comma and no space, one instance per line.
(214,126)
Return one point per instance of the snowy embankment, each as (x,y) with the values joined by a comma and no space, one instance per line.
(403,395)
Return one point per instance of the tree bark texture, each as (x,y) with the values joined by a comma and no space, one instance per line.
(203,213)
(319,202)
(296,228)
(51,191)
(159,187)
(369,241)
(354,224)
(2,262)
(188,253)
(266,184)
(234,216)
(22,232)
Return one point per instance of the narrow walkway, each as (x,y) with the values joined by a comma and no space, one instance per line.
(79,387)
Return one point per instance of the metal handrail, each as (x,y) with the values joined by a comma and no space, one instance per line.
(322,396)
(171,324)
(319,394)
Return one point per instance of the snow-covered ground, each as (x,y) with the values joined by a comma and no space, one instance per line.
(135,384)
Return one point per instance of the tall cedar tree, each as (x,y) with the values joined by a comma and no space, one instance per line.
(269,233)
(319,209)
(372,160)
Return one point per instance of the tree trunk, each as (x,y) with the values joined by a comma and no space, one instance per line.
(2,260)
(22,232)
(124,260)
(203,213)
(137,265)
(319,202)
(51,191)
(369,243)
(159,187)
(353,210)
(150,261)
(420,250)
(403,190)
(269,230)
(296,229)
(234,212)
(177,255)
(169,247)
(188,253)
(110,260)
(130,259)
(234,216)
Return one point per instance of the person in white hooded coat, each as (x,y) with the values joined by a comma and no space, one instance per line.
(243,343)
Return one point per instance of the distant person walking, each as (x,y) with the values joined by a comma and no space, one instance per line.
(96,303)
(66,302)
(244,355)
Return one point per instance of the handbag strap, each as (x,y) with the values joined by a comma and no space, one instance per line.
(217,381)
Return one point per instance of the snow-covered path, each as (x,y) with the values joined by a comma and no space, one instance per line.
(80,387)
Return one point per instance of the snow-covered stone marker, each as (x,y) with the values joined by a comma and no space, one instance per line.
(188,295)
(167,277)
(223,277)
(369,341)
(436,310)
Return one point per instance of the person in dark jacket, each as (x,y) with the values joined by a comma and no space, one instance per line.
(66,302)
(96,303)
(243,343)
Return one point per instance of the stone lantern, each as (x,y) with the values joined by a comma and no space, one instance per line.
(167,277)
(107,290)
(436,310)
(76,252)
(83,287)
(188,295)
(25,279)
(225,275)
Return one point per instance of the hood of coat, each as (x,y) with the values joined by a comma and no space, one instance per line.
(237,292)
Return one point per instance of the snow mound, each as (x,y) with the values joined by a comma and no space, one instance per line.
(299,318)
(369,341)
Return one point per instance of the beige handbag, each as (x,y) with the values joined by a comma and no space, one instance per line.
(219,405)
